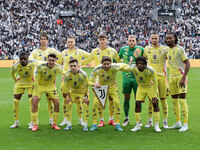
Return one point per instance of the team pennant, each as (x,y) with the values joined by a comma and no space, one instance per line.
(101,94)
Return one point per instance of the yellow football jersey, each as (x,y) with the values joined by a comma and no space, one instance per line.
(78,83)
(67,55)
(144,78)
(176,56)
(106,77)
(157,58)
(42,55)
(97,55)
(25,73)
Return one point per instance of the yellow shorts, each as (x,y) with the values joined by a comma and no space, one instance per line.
(76,97)
(142,92)
(51,91)
(174,87)
(163,88)
(20,88)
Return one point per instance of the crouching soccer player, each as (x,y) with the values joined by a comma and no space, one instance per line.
(46,74)
(76,83)
(107,74)
(25,69)
(147,86)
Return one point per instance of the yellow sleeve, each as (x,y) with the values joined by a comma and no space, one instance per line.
(61,71)
(59,61)
(66,83)
(145,54)
(127,68)
(92,77)
(89,59)
(32,55)
(116,57)
(13,72)
(85,54)
(86,84)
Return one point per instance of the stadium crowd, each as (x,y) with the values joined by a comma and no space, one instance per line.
(22,22)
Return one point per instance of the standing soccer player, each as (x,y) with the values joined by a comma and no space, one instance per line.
(42,54)
(76,83)
(46,74)
(147,86)
(156,55)
(97,55)
(107,75)
(25,69)
(129,54)
(71,53)
(178,66)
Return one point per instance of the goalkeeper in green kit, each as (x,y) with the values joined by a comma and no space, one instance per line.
(129,54)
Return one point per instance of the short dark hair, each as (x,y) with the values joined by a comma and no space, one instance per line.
(23,54)
(174,34)
(105,58)
(44,34)
(71,37)
(141,58)
(102,35)
(73,60)
(52,55)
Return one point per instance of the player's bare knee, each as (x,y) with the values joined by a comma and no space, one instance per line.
(182,95)
(138,106)
(29,95)
(156,107)
(127,96)
(17,96)
(175,96)
(64,95)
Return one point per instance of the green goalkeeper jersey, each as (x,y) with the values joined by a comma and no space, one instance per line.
(129,55)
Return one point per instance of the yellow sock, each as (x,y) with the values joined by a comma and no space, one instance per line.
(16,109)
(95,110)
(64,109)
(69,111)
(111,109)
(150,109)
(164,108)
(55,117)
(184,108)
(50,108)
(176,106)
(34,117)
(137,117)
(156,117)
(86,112)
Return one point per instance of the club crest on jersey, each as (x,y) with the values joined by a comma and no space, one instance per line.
(71,57)
(170,58)
(154,56)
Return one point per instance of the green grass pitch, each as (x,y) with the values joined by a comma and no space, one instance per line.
(106,137)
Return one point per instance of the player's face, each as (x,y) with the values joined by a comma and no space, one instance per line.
(106,65)
(51,62)
(71,43)
(155,39)
(131,41)
(103,41)
(74,67)
(170,40)
(141,65)
(43,41)
(23,60)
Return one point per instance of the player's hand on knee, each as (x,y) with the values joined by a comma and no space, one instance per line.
(86,101)
(68,100)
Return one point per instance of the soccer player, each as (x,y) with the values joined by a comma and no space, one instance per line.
(107,74)
(97,55)
(156,55)
(25,69)
(178,66)
(66,56)
(42,54)
(76,83)
(46,74)
(129,54)
(147,86)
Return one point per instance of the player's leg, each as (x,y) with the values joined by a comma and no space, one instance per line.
(34,114)
(140,97)
(150,115)
(113,93)
(79,108)
(95,114)
(173,89)
(86,113)
(184,106)
(163,94)
(64,92)
(17,98)
(50,109)
(156,113)
(127,88)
